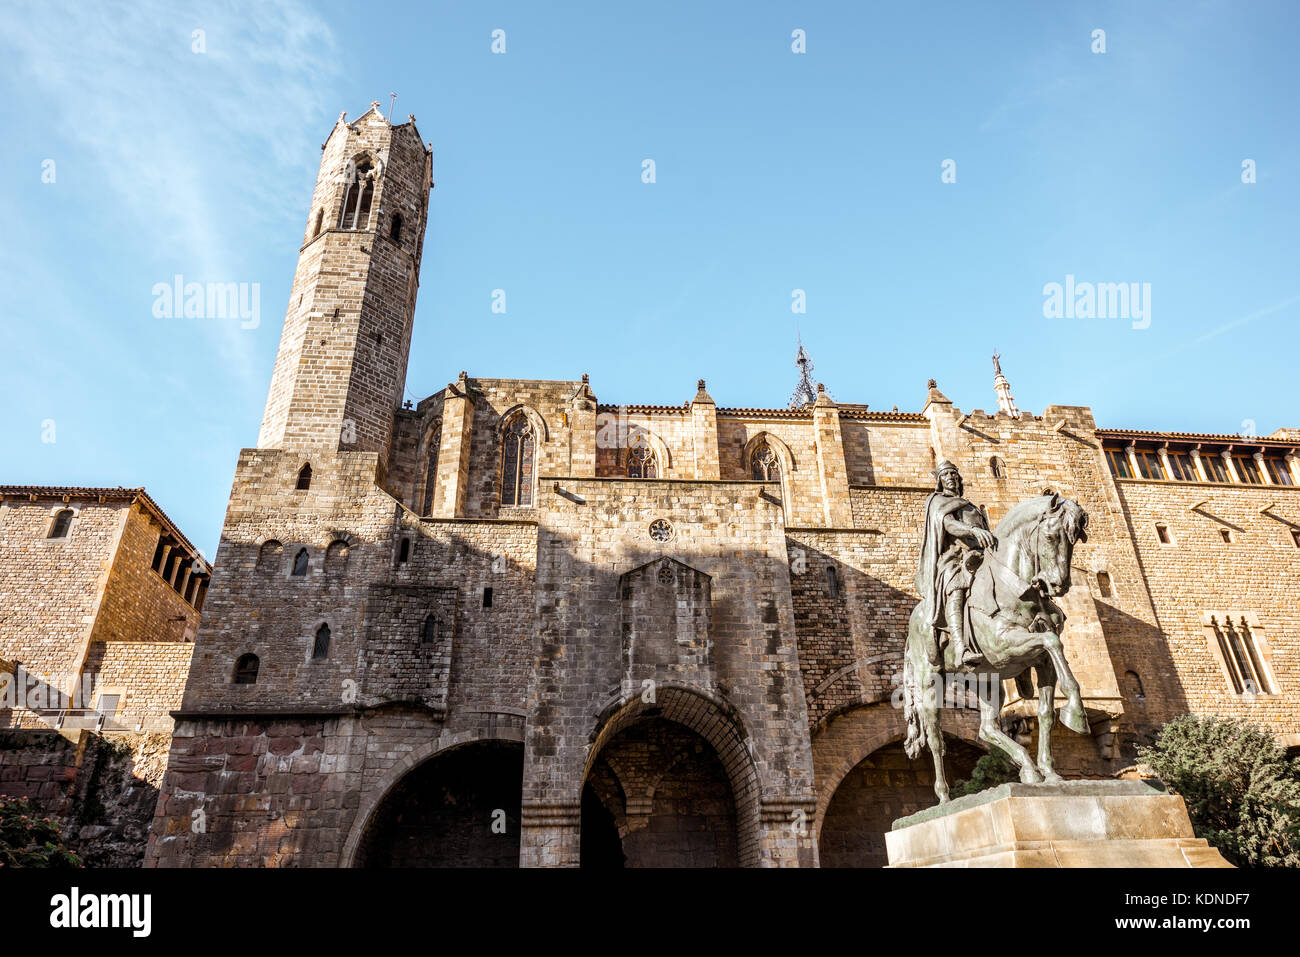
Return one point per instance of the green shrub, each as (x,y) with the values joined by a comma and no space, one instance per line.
(29,839)
(1242,793)
(990,770)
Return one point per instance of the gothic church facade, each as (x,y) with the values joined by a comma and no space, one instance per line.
(514,626)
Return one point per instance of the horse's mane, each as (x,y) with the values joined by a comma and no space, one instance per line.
(1031,509)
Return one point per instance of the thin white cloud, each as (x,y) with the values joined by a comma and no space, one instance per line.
(182,140)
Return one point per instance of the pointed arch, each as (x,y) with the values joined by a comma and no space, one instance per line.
(304,477)
(432,446)
(784,456)
(640,439)
(522,431)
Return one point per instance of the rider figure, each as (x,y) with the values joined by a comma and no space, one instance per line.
(955,537)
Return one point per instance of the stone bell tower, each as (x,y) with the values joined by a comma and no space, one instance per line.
(341,366)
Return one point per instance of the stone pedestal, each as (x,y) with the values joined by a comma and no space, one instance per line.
(1069,824)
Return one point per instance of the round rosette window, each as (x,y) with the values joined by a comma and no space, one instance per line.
(661,530)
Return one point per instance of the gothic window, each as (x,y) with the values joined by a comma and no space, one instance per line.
(395,228)
(357,196)
(430,632)
(431,472)
(301,562)
(1240,655)
(1133,686)
(62,524)
(996,468)
(642,463)
(304,477)
(518,462)
(269,554)
(321,647)
(246,670)
(1103,584)
(764,464)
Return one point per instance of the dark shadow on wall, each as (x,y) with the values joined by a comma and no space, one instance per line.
(101,789)
(458,809)
(885,786)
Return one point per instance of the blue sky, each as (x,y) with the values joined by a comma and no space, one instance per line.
(774,172)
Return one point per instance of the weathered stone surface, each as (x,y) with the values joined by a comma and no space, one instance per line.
(1071,824)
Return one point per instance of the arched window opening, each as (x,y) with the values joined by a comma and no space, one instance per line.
(1103,584)
(246,669)
(321,648)
(431,473)
(301,562)
(62,524)
(997,468)
(395,229)
(404,551)
(642,462)
(336,556)
(518,462)
(268,556)
(764,465)
(304,477)
(430,633)
(357,196)
(1134,687)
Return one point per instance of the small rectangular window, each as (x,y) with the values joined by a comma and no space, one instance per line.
(1162,533)
(1225,535)
(1278,471)
(1215,469)
(832,581)
(1149,464)
(1248,469)
(487,597)
(1119,464)
(1295,536)
(1182,467)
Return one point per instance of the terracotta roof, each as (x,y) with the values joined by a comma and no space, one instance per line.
(1190,437)
(118,494)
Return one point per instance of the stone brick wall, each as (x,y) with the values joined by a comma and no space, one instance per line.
(1257,573)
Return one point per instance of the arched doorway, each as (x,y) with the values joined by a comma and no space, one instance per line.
(458,809)
(881,788)
(657,795)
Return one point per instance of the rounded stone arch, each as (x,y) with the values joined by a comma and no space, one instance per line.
(717,722)
(850,737)
(371,801)
(663,457)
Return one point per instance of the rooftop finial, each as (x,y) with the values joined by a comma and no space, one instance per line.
(805,392)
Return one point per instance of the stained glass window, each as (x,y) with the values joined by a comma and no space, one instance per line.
(641,462)
(518,463)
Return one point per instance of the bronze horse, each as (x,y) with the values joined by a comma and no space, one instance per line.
(1016,626)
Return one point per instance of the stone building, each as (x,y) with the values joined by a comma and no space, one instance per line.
(100,595)
(511,625)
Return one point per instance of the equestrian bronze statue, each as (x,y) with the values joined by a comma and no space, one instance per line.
(986,610)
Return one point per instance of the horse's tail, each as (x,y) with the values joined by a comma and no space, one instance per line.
(915,738)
